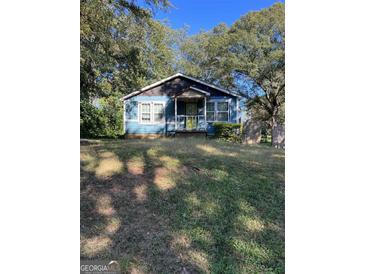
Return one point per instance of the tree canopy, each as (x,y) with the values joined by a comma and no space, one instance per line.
(122,47)
(248,57)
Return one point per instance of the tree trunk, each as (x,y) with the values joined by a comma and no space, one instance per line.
(277,131)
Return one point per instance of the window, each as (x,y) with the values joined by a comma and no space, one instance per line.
(158,112)
(222,116)
(210,111)
(217,111)
(151,113)
(222,112)
(210,106)
(146,113)
(222,106)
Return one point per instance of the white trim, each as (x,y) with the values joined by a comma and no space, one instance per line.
(200,90)
(205,110)
(152,112)
(229,110)
(237,103)
(131,120)
(140,121)
(175,113)
(124,119)
(174,76)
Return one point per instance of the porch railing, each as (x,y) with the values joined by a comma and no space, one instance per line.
(191,122)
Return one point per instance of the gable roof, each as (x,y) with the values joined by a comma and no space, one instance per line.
(173,77)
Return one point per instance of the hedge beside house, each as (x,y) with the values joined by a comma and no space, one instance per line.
(228,131)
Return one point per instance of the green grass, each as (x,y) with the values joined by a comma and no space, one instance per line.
(183,206)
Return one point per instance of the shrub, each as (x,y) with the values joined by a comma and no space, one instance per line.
(228,131)
(92,122)
(104,121)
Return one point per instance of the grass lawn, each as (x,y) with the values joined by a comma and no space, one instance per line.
(183,206)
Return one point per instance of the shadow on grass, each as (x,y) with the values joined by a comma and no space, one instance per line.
(183,206)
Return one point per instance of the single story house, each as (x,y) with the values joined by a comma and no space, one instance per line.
(178,104)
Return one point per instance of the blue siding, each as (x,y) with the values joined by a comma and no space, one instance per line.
(132,126)
(136,128)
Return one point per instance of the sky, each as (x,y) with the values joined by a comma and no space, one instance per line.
(206,14)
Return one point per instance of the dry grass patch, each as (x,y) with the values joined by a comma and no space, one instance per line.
(170,162)
(200,259)
(215,151)
(113,225)
(88,161)
(104,205)
(141,192)
(163,179)
(109,165)
(209,149)
(181,242)
(94,246)
(136,166)
(254,225)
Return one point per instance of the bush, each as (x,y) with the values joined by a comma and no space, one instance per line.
(104,121)
(227,131)
(92,122)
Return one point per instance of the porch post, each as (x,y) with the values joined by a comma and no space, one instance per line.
(175,113)
(205,111)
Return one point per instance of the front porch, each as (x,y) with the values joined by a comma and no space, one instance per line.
(190,111)
(191,123)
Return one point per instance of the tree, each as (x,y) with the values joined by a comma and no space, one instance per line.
(113,36)
(122,48)
(247,57)
(202,56)
(257,51)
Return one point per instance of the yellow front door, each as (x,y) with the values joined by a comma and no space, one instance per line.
(191,110)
